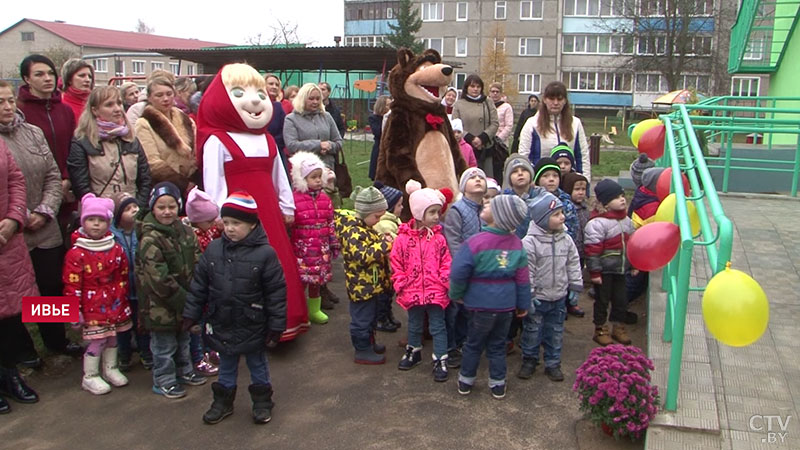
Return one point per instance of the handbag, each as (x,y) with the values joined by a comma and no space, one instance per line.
(343,181)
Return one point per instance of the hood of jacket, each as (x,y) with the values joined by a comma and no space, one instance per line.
(27,96)
(410,229)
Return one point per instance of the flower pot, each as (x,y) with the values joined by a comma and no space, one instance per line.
(607,429)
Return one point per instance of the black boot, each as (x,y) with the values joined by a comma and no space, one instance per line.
(327,293)
(262,402)
(222,406)
(390,316)
(12,385)
(5,408)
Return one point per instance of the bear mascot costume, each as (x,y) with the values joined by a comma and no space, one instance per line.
(237,154)
(417,141)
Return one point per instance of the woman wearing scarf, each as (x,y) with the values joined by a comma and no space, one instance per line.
(105,157)
(479,117)
(78,78)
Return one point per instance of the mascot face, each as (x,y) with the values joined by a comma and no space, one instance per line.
(251,102)
(429,82)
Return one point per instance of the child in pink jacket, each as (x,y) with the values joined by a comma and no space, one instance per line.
(420,273)
(466,149)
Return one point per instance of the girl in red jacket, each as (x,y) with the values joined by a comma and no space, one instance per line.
(420,274)
(96,271)
(313,237)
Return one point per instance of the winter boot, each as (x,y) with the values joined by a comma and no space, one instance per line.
(91,376)
(440,368)
(13,386)
(5,408)
(262,402)
(222,406)
(329,293)
(412,357)
(386,325)
(619,334)
(527,368)
(601,335)
(314,313)
(454,358)
(390,316)
(111,371)
(377,348)
(369,357)
(326,302)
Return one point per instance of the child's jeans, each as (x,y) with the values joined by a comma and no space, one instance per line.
(436,326)
(256,363)
(544,326)
(197,348)
(612,292)
(171,357)
(486,329)
(456,319)
(142,339)
(363,322)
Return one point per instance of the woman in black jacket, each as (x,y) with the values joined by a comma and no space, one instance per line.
(380,109)
(105,157)
(527,113)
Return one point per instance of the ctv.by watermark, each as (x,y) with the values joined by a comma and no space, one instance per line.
(775,426)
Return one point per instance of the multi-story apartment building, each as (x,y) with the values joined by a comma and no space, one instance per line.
(575,41)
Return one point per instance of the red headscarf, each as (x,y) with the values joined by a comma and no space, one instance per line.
(216,116)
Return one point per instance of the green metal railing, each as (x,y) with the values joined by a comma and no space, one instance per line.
(683,153)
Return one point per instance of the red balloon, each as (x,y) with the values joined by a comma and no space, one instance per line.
(653,246)
(664,184)
(652,142)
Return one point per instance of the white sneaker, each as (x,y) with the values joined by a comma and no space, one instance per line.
(91,376)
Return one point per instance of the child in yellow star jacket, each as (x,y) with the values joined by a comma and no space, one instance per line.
(365,253)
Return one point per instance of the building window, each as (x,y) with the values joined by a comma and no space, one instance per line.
(100,65)
(745,86)
(698,82)
(530,10)
(389,13)
(530,46)
(175,68)
(461,46)
(500,10)
(597,81)
(434,43)
(500,45)
(27,36)
(137,67)
(648,45)
(433,12)
(755,48)
(459,81)
(529,83)
(156,65)
(190,69)
(651,82)
(119,68)
(461,11)
(595,8)
(599,44)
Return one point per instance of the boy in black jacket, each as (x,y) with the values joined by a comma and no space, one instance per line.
(240,281)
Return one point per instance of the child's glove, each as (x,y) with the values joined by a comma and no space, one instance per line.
(572,298)
(273,337)
(535,303)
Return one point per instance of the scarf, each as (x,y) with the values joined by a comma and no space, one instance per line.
(496,104)
(18,120)
(99,245)
(79,95)
(109,130)
(476,99)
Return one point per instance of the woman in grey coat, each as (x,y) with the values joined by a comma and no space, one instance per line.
(309,128)
(479,116)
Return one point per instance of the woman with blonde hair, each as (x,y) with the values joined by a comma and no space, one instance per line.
(167,135)
(309,128)
(105,158)
(78,78)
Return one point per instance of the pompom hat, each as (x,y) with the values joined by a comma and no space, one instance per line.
(420,199)
(92,206)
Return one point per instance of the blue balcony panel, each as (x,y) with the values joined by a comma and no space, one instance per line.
(368,27)
(600,98)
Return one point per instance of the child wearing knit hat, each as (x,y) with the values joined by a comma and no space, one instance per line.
(312,234)
(576,185)
(556,281)
(251,314)
(604,239)
(365,253)
(96,271)
(564,157)
(466,149)
(492,189)
(489,274)
(389,224)
(420,265)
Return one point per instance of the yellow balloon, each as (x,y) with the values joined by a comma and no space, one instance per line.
(735,308)
(641,128)
(666,213)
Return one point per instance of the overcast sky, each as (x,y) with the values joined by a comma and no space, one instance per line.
(318,20)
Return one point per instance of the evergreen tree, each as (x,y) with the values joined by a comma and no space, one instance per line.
(408,23)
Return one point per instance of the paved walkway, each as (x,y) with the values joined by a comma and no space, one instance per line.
(727,393)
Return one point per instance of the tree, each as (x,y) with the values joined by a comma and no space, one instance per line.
(670,37)
(283,33)
(142,27)
(408,23)
(59,54)
(494,63)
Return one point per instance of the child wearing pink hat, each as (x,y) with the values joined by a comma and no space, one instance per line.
(420,264)
(96,271)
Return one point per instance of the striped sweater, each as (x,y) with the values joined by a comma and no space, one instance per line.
(490,272)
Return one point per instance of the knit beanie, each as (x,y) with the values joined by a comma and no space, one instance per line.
(420,199)
(607,190)
(391,195)
(368,200)
(240,205)
(544,207)
(563,150)
(165,188)
(639,165)
(542,166)
(650,177)
(508,211)
(96,206)
(569,180)
(121,201)
(457,125)
(513,161)
(469,173)
(200,207)
(491,183)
